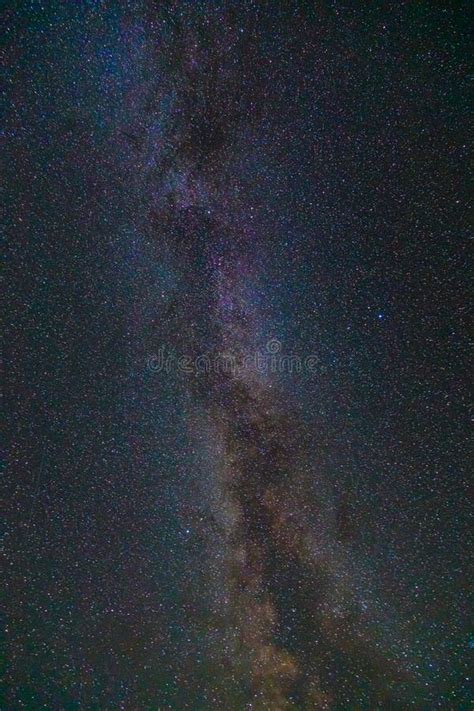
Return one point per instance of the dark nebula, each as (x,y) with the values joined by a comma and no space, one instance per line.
(236,356)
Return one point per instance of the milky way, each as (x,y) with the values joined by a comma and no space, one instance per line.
(236,356)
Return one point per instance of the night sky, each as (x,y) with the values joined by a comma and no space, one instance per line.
(236,355)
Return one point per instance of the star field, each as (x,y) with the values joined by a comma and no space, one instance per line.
(236,356)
